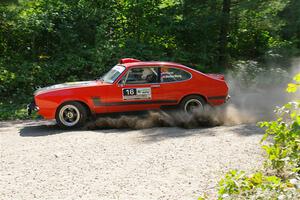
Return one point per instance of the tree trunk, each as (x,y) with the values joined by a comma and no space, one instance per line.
(223,38)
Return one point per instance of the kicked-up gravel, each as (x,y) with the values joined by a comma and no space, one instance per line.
(40,161)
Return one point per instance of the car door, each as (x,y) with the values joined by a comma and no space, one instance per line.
(138,89)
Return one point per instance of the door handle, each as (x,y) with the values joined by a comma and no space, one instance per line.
(155,86)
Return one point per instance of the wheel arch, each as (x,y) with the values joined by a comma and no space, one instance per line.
(84,104)
(194,94)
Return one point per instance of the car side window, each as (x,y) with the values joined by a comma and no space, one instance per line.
(141,75)
(169,74)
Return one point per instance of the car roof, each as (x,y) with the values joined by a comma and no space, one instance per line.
(152,63)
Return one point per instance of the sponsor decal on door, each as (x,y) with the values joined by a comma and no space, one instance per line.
(136,93)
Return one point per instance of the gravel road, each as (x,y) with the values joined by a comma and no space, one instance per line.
(39,161)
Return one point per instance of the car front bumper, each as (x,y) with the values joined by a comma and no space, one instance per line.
(32,107)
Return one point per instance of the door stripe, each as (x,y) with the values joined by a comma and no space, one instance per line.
(97,102)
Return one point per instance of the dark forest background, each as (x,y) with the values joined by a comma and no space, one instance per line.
(43,42)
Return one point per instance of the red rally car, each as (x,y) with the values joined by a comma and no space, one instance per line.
(131,85)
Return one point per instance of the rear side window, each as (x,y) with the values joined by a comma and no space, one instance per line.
(169,74)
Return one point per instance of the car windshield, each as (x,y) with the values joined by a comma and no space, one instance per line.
(113,74)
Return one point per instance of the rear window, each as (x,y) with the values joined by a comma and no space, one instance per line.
(169,74)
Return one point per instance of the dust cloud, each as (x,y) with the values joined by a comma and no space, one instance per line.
(255,92)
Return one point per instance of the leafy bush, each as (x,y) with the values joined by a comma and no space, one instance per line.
(284,150)
(280,178)
(13,110)
(237,185)
(283,153)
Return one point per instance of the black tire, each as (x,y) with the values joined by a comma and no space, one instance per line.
(192,101)
(71,115)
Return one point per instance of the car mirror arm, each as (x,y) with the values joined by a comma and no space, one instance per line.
(121,83)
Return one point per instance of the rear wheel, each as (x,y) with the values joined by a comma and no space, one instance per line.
(192,104)
(71,114)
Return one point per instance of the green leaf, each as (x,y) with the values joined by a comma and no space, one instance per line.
(298,120)
(291,88)
(256,178)
(297,77)
(265,136)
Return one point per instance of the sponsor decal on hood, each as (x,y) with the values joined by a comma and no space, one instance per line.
(65,86)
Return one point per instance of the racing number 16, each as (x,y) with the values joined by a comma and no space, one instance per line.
(129,92)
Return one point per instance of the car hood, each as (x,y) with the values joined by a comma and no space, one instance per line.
(65,86)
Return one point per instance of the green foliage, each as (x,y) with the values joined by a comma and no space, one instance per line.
(282,146)
(256,29)
(292,87)
(15,109)
(283,153)
(291,30)
(237,185)
(47,42)
(10,111)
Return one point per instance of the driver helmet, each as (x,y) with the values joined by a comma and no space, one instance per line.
(146,72)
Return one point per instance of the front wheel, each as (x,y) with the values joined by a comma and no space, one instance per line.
(192,104)
(70,115)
